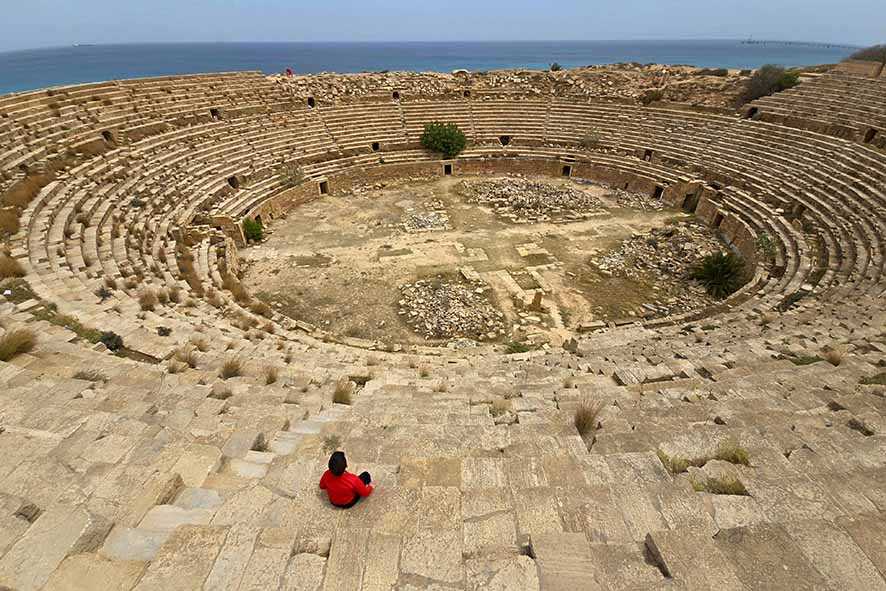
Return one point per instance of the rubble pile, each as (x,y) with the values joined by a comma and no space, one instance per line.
(666,252)
(440,309)
(628,81)
(524,201)
(426,221)
(664,257)
(630,200)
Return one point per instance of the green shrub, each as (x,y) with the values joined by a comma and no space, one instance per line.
(516,347)
(555,67)
(876,53)
(875,380)
(253,230)
(111,340)
(767,80)
(445,138)
(590,140)
(651,96)
(720,273)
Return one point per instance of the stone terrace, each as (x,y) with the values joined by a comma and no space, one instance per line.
(145,473)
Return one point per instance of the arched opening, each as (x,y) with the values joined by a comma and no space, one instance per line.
(659,191)
(215,114)
(690,202)
(447,169)
(505,140)
(324,187)
(108,136)
(396,95)
(752,112)
(234,182)
(869,135)
(647,155)
(567,170)
(718,219)
(311,102)
(376,146)
(467,94)
(258,219)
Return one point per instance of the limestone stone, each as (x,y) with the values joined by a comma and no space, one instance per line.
(196,464)
(85,572)
(835,555)
(869,532)
(133,544)
(57,533)
(435,555)
(692,559)
(492,532)
(168,517)
(777,560)
(228,568)
(185,560)
(382,562)
(507,574)
(564,562)
(304,573)
(347,560)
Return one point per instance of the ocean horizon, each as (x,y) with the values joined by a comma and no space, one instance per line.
(32,69)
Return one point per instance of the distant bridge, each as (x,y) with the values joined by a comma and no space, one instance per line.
(799,43)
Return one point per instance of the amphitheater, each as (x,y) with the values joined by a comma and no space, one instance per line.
(163,465)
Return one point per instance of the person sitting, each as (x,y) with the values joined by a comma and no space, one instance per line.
(344,488)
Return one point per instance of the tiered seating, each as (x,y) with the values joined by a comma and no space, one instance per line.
(843,104)
(148,473)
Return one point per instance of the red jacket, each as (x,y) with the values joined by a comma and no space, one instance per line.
(345,488)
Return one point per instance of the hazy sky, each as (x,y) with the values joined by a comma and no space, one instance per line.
(40,23)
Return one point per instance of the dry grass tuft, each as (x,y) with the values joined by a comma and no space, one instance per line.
(585,416)
(260,308)
(344,391)
(17,341)
(175,366)
(331,443)
(231,368)
(271,374)
(147,299)
(424,371)
(834,356)
(187,355)
(201,343)
(9,223)
(175,294)
(441,387)
(9,267)
(730,451)
(725,485)
(214,299)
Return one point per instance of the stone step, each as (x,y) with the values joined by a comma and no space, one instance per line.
(692,559)
(565,562)
(185,560)
(57,533)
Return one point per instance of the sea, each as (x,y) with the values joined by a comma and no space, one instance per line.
(40,68)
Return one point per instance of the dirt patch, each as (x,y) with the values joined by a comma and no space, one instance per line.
(338,263)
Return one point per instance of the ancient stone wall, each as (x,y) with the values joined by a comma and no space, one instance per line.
(861,68)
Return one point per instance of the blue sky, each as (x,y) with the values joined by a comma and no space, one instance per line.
(41,23)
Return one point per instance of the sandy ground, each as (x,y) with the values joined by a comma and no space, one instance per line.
(339,262)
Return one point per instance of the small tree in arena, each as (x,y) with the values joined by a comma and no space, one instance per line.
(445,138)
(253,230)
